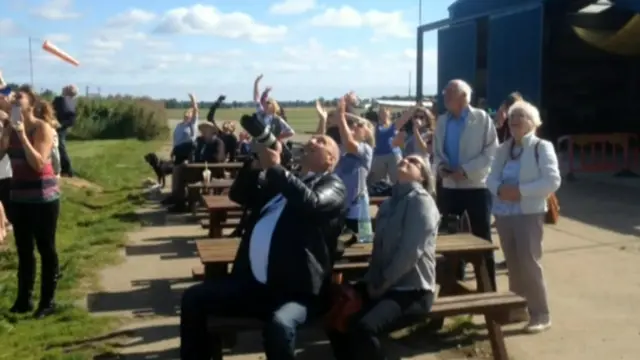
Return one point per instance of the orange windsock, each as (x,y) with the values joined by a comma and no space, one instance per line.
(52,49)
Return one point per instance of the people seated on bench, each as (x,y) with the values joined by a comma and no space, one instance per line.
(401,277)
(209,147)
(524,173)
(184,136)
(356,141)
(284,260)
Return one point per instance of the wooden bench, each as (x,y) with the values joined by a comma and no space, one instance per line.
(491,305)
(196,190)
(197,272)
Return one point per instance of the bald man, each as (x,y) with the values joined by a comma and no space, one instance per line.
(283,265)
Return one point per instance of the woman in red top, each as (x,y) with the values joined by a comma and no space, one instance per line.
(34,198)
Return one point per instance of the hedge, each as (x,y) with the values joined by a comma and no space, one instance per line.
(120,118)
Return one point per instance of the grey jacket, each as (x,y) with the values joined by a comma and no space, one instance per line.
(404,245)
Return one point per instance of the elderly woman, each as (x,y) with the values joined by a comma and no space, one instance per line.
(401,279)
(523,175)
(385,155)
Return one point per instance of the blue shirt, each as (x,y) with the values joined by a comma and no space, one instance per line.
(510,176)
(384,138)
(353,170)
(6,91)
(452,135)
(185,131)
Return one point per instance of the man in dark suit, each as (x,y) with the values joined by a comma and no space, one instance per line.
(65,107)
(283,265)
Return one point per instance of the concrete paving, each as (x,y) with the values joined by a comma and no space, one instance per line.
(591,265)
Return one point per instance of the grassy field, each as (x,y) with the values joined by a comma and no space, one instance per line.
(91,227)
(301,119)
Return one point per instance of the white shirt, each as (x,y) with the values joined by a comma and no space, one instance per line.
(260,242)
(5,168)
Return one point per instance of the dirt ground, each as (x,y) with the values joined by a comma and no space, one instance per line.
(591,263)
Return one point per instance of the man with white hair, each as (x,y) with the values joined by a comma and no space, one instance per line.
(465,143)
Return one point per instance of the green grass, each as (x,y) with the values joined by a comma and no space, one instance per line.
(91,228)
(301,119)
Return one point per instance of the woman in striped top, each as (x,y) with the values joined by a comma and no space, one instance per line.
(35,199)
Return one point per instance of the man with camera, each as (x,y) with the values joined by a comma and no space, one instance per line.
(283,265)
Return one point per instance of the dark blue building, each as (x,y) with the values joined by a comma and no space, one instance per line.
(532,46)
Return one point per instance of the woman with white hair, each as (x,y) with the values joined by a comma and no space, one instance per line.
(523,175)
(400,280)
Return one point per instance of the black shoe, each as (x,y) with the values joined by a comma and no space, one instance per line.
(44,310)
(21,307)
(501,265)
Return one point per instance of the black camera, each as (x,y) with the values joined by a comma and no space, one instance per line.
(261,133)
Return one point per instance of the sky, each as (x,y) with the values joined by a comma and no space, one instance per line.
(167,48)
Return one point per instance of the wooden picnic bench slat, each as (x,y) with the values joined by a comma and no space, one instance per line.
(213,184)
(491,305)
(224,165)
(224,249)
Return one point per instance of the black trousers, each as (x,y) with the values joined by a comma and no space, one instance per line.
(235,296)
(477,203)
(34,226)
(5,190)
(65,161)
(377,317)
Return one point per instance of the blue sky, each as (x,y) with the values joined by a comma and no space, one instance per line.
(162,48)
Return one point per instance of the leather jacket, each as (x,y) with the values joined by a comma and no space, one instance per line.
(304,241)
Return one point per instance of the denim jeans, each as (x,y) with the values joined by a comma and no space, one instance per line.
(233,296)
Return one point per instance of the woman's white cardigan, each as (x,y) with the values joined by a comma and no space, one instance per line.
(539,174)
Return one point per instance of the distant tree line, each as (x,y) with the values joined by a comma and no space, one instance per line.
(183,104)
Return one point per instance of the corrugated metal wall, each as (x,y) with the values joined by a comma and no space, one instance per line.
(456,54)
(515,55)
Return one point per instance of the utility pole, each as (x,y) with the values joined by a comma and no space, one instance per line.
(30,61)
(419,12)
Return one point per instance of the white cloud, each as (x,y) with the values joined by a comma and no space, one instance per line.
(383,24)
(131,18)
(8,28)
(207,20)
(58,38)
(105,45)
(56,10)
(292,7)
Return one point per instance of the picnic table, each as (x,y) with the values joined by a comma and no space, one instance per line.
(218,207)
(217,255)
(192,172)
(196,190)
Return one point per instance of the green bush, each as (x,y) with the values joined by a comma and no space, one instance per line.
(120,118)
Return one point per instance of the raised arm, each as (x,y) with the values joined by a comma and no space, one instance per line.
(256,89)
(321,129)
(351,145)
(211,115)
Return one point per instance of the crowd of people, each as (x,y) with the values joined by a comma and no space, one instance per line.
(32,158)
(429,166)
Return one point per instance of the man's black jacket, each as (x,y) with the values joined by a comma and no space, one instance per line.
(65,108)
(304,241)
